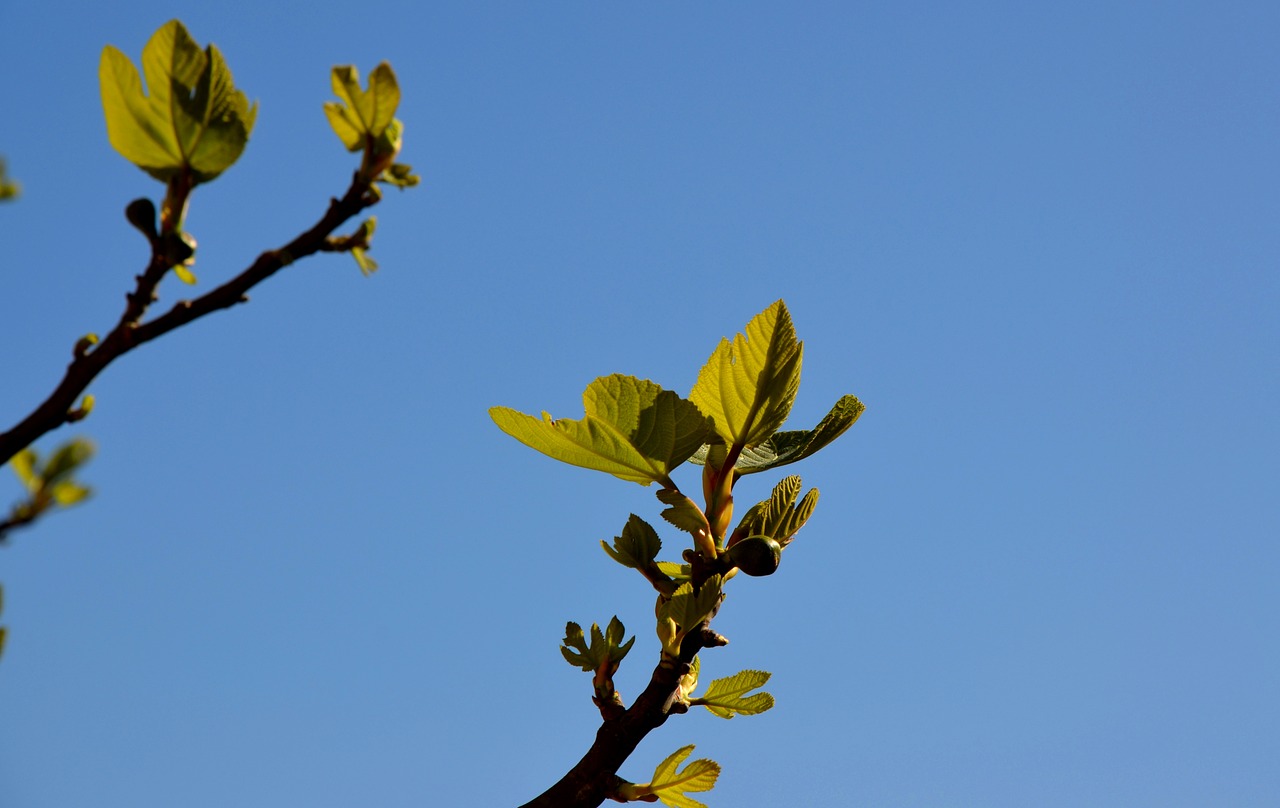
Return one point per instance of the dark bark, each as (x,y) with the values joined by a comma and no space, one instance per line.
(595,777)
(129,333)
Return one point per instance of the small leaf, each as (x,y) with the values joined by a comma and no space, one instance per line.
(637,546)
(66,459)
(68,493)
(674,569)
(727,696)
(633,429)
(8,187)
(670,784)
(185,275)
(687,609)
(683,512)
(779,517)
(24,465)
(605,648)
(748,385)
(363,115)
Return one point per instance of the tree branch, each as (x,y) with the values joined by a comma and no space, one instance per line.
(595,777)
(128,334)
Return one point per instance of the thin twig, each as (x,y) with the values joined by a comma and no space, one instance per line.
(128,334)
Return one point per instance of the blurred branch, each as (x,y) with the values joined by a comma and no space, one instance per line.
(92,357)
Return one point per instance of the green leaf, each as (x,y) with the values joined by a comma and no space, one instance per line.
(670,784)
(788,447)
(779,517)
(66,459)
(190,118)
(605,649)
(687,609)
(362,115)
(683,512)
(69,493)
(24,465)
(675,569)
(727,696)
(633,429)
(637,546)
(8,187)
(748,385)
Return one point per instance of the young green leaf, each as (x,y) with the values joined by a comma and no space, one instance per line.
(671,785)
(748,385)
(637,546)
(363,115)
(685,610)
(633,429)
(606,648)
(24,465)
(684,513)
(727,696)
(779,517)
(191,118)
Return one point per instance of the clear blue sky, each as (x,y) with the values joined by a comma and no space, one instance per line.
(1039,240)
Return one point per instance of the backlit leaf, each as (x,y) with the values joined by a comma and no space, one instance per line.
(24,464)
(363,114)
(748,385)
(670,784)
(683,512)
(633,429)
(727,696)
(190,116)
(637,546)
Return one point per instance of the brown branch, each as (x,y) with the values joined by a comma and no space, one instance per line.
(88,362)
(595,777)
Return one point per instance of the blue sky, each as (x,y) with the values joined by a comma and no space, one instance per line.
(1038,240)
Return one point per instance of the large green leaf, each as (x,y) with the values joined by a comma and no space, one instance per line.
(749,384)
(728,696)
(670,783)
(633,429)
(190,117)
(788,447)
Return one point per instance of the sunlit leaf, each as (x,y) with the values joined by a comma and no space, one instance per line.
(363,114)
(748,385)
(190,116)
(604,647)
(633,429)
(683,512)
(728,696)
(779,517)
(671,784)
(24,465)
(66,459)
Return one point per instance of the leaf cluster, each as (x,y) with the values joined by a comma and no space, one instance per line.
(51,483)
(731,425)
(365,120)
